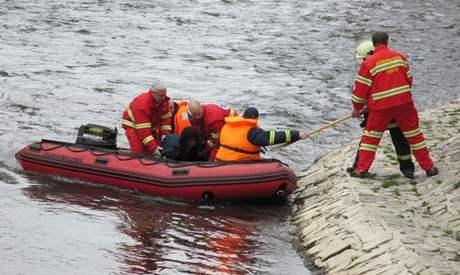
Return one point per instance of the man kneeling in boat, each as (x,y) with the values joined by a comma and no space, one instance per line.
(242,139)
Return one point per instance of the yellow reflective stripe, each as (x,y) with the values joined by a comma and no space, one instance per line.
(146,140)
(373,134)
(128,123)
(288,135)
(357,99)
(388,66)
(418,146)
(404,157)
(391,92)
(130,114)
(409,74)
(363,80)
(165,116)
(392,125)
(143,125)
(271,139)
(412,133)
(165,127)
(214,135)
(368,147)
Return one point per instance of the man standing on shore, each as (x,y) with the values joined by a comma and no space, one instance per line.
(384,81)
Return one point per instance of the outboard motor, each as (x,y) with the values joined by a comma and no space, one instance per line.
(97,135)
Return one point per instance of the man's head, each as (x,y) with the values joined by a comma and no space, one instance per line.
(194,110)
(380,38)
(251,113)
(158,91)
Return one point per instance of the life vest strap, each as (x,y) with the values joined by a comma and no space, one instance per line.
(236,149)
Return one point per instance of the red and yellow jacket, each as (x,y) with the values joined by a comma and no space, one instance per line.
(234,143)
(180,118)
(384,80)
(213,121)
(149,119)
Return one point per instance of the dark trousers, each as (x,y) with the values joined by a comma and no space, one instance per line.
(401,145)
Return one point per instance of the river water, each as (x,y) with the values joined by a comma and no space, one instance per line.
(68,63)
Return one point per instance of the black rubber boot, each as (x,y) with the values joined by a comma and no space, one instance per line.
(432,172)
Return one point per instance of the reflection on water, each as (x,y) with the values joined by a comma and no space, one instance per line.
(171,237)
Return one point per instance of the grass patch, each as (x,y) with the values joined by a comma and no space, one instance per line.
(457,185)
(448,232)
(457,257)
(415,190)
(391,181)
(396,193)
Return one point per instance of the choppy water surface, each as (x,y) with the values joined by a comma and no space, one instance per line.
(67,63)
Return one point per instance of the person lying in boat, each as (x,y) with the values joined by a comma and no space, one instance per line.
(146,118)
(209,118)
(242,139)
(190,146)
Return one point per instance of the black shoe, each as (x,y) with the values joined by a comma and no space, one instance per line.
(432,172)
(408,174)
(361,175)
(350,169)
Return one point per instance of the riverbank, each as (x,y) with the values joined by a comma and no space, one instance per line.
(389,224)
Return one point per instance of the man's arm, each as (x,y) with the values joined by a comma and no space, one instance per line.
(260,137)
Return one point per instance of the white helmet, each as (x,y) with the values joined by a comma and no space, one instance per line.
(364,49)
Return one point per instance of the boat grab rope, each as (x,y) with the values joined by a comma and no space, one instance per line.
(145,160)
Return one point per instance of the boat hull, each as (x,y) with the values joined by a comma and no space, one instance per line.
(188,180)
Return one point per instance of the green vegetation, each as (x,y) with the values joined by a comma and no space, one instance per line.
(457,257)
(391,181)
(415,190)
(448,232)
(457,185)
(396,193)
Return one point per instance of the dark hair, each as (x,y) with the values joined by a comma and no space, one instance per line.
(251,112)
(192,145)
(379,38)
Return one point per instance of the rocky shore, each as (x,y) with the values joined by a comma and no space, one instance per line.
(388,224)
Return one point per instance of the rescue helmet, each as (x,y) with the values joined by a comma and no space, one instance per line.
(364,49)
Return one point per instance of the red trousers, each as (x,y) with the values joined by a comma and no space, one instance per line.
(135,144)
(407,119)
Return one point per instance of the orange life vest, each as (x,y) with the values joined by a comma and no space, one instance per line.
(181,120)
(234,143)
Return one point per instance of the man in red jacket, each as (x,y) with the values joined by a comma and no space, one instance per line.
(210,119)
(384,80)
(146,119)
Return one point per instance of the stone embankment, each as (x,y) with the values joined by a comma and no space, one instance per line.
(388,224)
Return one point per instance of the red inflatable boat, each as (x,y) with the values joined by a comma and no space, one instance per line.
(261,179)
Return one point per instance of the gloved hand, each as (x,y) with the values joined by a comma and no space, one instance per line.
(157,153)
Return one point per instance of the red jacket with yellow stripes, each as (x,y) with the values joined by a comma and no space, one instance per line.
(384,80)
(148,118)
(213,121)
